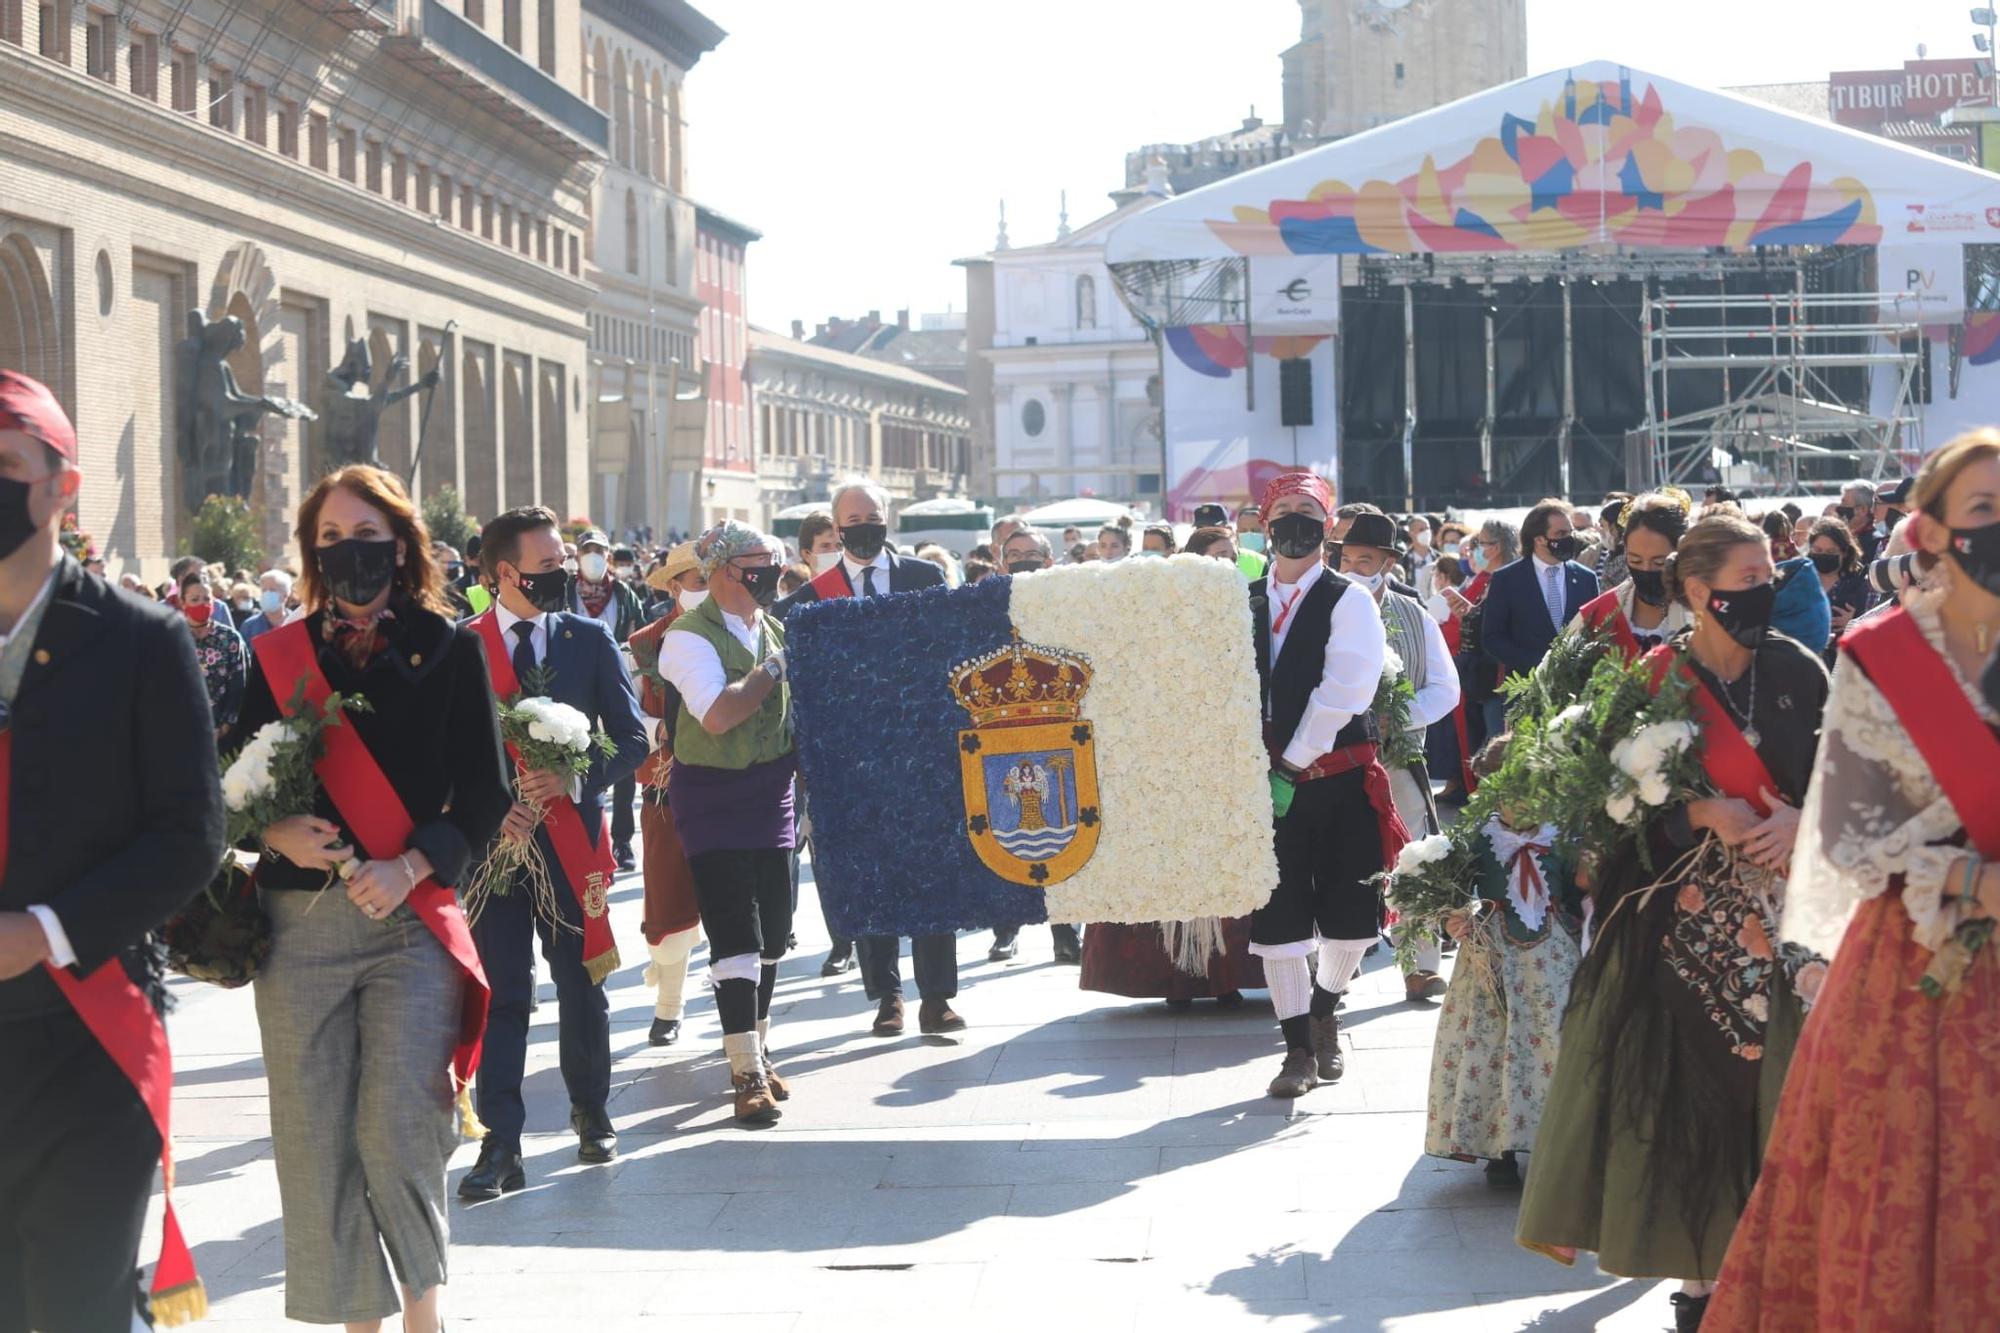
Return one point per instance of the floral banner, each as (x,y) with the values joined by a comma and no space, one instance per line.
(1080,744)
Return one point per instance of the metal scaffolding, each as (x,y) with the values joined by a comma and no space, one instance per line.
(1780,411)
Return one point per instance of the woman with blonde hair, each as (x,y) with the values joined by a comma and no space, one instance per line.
(1876,1208)
(372,1003)
(1684,1011)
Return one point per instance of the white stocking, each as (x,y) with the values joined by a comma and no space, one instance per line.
(1337,961)
(1290,981)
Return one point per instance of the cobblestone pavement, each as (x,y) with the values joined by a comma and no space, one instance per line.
(1075,1161)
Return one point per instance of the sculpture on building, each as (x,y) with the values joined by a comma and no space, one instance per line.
(354,406)
(217,422)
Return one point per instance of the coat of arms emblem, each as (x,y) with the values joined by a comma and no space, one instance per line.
(1027,765)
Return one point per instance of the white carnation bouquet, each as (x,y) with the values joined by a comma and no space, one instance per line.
(551,737)
(1432,878)
(271,778)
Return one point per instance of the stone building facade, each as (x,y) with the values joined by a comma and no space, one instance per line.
(1363,63)
(724,484)
(822,415)
(647,384)
(411,174)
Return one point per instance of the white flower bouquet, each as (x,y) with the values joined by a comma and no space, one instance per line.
(545,736)
(271,778)
(1432,878)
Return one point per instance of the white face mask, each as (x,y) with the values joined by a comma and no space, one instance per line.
(1372,582)
(690,600)
(825,560)
(569,567)
(592,565)
(272,601)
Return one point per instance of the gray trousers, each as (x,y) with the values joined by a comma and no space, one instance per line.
(358,1018)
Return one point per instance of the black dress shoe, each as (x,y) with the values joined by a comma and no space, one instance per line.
(498,1171)
(623,852)
(596,1141)
(664,1032)
(1005,945)
(839,959)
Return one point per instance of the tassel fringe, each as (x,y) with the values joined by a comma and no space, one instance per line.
(180,1305)
(602,966)
(469,1127)
(1191,944)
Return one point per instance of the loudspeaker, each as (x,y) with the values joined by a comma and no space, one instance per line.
(1295,392)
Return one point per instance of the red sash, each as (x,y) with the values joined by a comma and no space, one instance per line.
(127,1026)
(1730,761)
(1603,612)
(360,790)
(586,869)
(834,582)
(1948,732)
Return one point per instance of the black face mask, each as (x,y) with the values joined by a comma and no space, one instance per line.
(453,573)
(1296,536)
(1028,566)
(1650,585)
(864,541)
(357,571)
(1976,551)
(546,591)
(15,524)
(761,582)
(1565,548)
(1745,614)
(1826,562)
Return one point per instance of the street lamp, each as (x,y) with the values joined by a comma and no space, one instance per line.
(1984,42)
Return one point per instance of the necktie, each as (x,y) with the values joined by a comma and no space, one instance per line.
(524,652)
(868,581)
(1554,594)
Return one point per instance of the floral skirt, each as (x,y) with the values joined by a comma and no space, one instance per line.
(1707,1017)
(1879,1204)
(1497,1037)
(1133,961)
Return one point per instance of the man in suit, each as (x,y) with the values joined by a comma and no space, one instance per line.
(1531,600)
(867,568)
(109,790)
(571,659)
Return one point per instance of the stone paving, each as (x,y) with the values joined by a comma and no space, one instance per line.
(1074,1161)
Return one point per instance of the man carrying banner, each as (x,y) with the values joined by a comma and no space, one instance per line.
(867,568)
(731,794)
(108,787)
(1320,650)
(534,647)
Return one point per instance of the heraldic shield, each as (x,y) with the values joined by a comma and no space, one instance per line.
(1028,766)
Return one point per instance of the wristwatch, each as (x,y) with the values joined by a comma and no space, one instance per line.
(772,667)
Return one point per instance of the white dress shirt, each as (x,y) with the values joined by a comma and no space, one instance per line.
(538,641)
(691,664)
(1355,650)
(880,564)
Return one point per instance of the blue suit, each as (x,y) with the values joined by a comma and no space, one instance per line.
(1514,626)
(584,671)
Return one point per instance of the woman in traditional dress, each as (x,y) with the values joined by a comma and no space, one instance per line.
(1683,1014)
(1637,613)
(1879,1203)
(1497,1031)
(372,1002)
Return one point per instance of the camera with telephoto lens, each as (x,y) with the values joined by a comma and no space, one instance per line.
(1891,575)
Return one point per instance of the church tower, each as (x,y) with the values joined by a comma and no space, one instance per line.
(1363,63)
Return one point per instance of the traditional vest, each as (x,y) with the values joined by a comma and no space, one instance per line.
(1288,683)
(1402,621)
(767,734)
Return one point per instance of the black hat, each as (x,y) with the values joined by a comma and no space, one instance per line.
(1211,516)
(623,553)
(1899,494)
(1373,530)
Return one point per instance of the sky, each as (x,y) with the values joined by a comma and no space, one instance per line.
(872,141)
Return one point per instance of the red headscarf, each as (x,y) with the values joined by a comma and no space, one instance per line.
(27,405)
(1298,483)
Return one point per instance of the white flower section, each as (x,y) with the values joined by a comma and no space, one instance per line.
(1422,852)
(555,723)
(1181,769)
(249,775)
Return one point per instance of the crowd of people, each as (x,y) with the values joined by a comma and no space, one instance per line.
(1644,1035)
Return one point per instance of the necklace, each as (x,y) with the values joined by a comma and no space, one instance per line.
(1749,710)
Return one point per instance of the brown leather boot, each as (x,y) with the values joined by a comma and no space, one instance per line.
(780,1090)
(1298,1077)
(937,1016)
(1326,1048)
(889,1017)
(755,1104)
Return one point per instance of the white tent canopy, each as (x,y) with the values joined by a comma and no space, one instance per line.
(1077,513)
(1598,155)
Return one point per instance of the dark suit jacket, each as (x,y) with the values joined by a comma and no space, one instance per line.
(906,574)
(115,806)
(1514,623)
(587,674)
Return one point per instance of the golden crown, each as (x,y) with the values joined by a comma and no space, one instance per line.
(1021,684)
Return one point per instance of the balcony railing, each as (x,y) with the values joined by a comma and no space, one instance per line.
(457,54)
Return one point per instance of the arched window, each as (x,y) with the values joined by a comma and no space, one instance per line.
(600,78)
(642,122)
(659,128)
(673,248)
(676,162)
(1086,302)
(631,232)
(621,111)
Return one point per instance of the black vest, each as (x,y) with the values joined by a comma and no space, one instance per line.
(1288,683)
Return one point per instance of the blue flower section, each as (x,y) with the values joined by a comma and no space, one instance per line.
(878,731)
